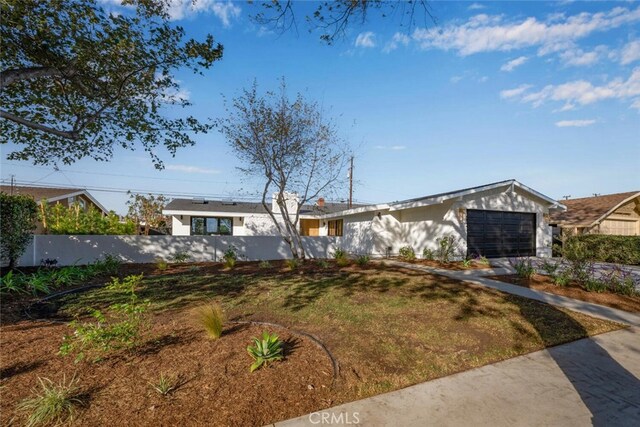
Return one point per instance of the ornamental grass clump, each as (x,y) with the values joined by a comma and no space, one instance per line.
(211,318)
(265,350)
(51,404)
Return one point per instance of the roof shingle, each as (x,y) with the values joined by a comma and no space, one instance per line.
(585,211)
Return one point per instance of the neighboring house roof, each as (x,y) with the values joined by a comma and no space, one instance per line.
(441,197)
(589,211)
(195,206)
(52,194)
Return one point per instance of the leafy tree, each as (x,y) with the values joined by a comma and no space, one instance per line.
(77,81)
(291,146)
(59,219)
(146,212)
(334,17)
(18,215)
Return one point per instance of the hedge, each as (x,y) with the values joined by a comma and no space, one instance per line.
(605,248)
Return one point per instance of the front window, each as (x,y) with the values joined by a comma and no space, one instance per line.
(211,226)
(335,228)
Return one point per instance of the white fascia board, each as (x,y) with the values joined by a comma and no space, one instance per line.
(356,211)
(428,201)
(211,213)
(553,203)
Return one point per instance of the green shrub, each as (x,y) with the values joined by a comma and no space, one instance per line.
(264,265)
(562,279)
(428,254)
(18,216)
(549,267)
(166,384)
(339,253)
(181,257)
(523,266)
(265,350)
(323,263)
(343,261)
(161,264)
(483,260)
(51,404)
(230,257)
(292,264)
(363,260)
(446,248)
(13,283)
(120,327)
(603,248)
(595,285)
(407,253)
(211,319)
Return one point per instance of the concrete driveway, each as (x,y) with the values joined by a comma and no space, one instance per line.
(593,381)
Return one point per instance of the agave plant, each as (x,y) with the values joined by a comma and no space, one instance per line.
(265,350)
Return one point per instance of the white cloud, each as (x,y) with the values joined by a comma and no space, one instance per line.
(391,147)
(630,52)
(483,33)
(513,64)
(578,92)
(366,40)
(455,79)
(476,6)
(225,11)
(579,58)
(636,104)
(397,40)
(513,93)
(192,169)
(574,123)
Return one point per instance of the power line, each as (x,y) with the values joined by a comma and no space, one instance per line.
(121,175)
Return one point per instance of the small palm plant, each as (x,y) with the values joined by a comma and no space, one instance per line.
(52,403)
(265,350)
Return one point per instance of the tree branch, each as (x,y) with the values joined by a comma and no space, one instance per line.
(22,121)
(8,77)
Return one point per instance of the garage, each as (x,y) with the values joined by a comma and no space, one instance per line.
(495,234)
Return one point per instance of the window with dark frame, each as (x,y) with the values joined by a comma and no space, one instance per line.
(211,226)
(335,228)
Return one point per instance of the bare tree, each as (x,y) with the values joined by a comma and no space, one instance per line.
(292,146)
(333,17)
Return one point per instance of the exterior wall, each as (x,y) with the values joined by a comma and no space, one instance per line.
(420,227)
(70,250)
(623,221)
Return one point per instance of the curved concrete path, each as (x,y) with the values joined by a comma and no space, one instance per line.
(593,381)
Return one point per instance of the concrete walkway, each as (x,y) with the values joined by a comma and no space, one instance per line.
(593,381)
(476,276)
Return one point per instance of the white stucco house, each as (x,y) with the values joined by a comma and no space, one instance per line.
(501,219)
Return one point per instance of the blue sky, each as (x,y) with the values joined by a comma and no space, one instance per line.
(546,93)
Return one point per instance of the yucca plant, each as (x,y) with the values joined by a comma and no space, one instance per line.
(265,350)
(52,403)
(211,318)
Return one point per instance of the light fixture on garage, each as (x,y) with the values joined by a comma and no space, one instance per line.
(462,214)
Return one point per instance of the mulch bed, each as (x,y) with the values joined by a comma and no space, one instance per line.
(217,388)
(573,290)
(454,265)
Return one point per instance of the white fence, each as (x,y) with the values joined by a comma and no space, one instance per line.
(69,250)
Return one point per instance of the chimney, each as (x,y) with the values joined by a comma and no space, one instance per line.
(321,202)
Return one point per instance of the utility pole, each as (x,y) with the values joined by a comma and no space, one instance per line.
(351,184)
(13,183)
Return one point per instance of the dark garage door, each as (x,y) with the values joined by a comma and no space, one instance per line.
(500,234)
